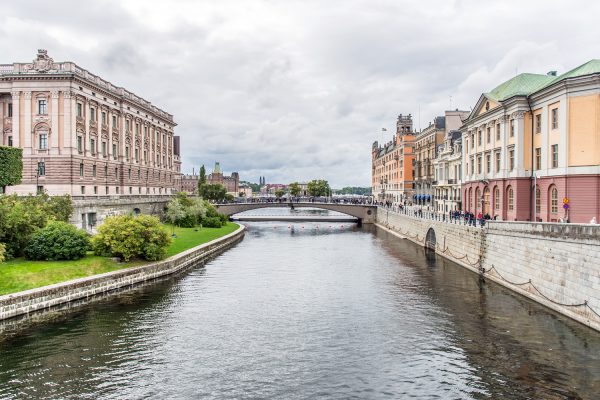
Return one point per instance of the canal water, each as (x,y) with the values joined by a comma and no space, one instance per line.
(313,310)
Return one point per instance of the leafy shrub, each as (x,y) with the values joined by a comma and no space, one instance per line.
(127,237)
(58,241)
(2,252)
(11,166)
(20,217)
(186,211)
(212,222)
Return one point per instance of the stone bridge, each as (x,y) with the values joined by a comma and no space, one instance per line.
(366,214)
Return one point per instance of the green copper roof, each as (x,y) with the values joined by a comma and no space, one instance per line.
(217,169)
(590,67)
(521,85)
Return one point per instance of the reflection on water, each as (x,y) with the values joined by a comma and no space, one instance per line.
(308,311)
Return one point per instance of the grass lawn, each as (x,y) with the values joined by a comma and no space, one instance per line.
(20,274)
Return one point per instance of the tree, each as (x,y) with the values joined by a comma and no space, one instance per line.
(295,189)
(201,179)
(215,192)
(11,167)
(318,188)
(185,211)
(175,212)
(279,193)
(2,252)
(242,194)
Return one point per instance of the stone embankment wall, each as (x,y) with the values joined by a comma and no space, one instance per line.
(46,297)
(557,265)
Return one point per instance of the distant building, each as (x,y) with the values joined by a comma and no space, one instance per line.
(392,164)
(231,183)
(447,165)
(271,188)
(189,184)
(246,190)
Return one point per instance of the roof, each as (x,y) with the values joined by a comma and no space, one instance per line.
(590,67)
(521,85)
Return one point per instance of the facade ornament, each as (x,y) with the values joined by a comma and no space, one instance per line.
(518,115)
(68,94)
(27,95)
(115,137)
(54,94)
(42,63)
(104,134)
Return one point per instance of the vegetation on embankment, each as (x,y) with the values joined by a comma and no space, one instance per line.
(20,274)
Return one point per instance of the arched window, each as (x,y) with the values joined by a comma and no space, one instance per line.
(553,199)
(470,199)
(510,195)
(497,198)
(538,200)
(487,205)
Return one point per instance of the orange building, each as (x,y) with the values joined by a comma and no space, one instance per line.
(392,164)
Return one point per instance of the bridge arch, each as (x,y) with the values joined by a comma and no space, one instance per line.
(430,239)
(364,213)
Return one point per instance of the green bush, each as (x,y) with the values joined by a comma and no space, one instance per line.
(127,237)
(11,166)
(20,217)
(58,241)
(2,252)
(212,222)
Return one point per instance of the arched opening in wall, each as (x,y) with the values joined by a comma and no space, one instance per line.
(478,201)
(486,201)
(496,201)
(553,203)
(470,198)
(136,211)
(430,240)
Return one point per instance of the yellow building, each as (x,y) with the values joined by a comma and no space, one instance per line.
(531,148)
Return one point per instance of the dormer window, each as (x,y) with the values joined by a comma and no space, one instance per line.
(487,105)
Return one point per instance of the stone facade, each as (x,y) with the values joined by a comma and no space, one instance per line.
(82,135)
(392,164)
(44,298)
(552,264)
(426,143)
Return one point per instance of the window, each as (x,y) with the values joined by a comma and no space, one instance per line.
(80,110)
(127,153)
(554,156)
(129,173)
(555,118)
(137,128)
(10,141)
(479,164)
(538,123)
(538,200)
(538,158)
(95,189)
(145,156)
(42,107)
(489,134)
(10,109)
(93,146)
(106,170)
(43,141)
(106,189)
(81,169)
(93,114)
(479,138)
(497,198)
(104,120)
(117,173)
(40,189)
(83,190)
(497,131)
(137,154)
(130,190)
(472,167)
(139,174)
(116,189)
(512,128)
(103,149)
(497,155)
(80,144)
(488,163)
(94,170)
(511,198)
(127,123)
(41,169)
(114,151)
(511,159)
(554,199)
(472,141)
(114,121)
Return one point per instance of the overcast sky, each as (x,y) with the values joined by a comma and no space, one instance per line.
(296,90)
